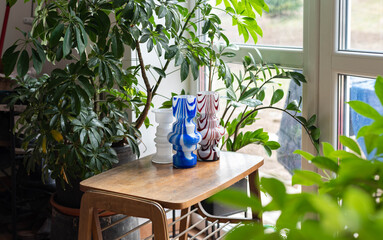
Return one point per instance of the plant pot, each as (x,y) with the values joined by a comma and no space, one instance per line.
(184,135)
(208,126)
(65,223)
(217,209)
(6,84)
(69,196)
(124,154)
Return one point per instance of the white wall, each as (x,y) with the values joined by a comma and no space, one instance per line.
(16,15)
(172,83)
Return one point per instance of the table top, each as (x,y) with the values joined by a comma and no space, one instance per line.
(171,187)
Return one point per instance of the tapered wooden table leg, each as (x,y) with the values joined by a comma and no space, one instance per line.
(96,228)
(184,223)
(86,215)
(255,191)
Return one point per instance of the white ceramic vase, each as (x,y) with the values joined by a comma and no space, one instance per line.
(164,118)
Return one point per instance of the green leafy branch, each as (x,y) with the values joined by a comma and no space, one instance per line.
(250,93)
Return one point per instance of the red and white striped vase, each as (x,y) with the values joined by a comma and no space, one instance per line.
(208,126)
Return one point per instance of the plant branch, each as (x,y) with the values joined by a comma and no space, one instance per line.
(244,90)
(227,107)
(154,90)
(151,92)
(144,113)
(275,108)
(210,67)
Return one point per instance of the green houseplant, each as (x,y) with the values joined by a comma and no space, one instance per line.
(249,92)
(348,202)
(76,112)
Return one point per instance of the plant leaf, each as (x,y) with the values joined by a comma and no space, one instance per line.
(277,96)
(365,109)
(57,135)
(350,143)
(325,163)
(67,45)
(249,93)
(306,178)
(184,70)
(10,59)
(275,188)
(37,62)
(80,43)
(306,155)
(379,88)
(206,26)
(56,35)
(160,72)
(23,63)
(236,198)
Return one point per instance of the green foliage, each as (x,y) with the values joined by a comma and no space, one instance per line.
(283,7)
(90,38)
(348,204)
(249,94)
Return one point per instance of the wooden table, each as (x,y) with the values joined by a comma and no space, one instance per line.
(176,188)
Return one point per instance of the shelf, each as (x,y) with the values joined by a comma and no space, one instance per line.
(17,108)
(4,143)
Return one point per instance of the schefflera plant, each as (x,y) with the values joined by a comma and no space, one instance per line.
(68,127)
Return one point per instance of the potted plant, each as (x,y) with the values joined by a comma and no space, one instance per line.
(348,202)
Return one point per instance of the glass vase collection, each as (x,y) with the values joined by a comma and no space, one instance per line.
(185,134)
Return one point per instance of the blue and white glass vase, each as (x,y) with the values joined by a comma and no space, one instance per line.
(184,135)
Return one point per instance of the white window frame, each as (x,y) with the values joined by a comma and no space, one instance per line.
(290,57)
(332,63)
(322,62)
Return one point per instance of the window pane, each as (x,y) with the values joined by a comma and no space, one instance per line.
(355,88)
(281,26)
(281,128)
(363,25)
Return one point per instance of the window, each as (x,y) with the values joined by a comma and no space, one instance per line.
(282,26)
(355,88)
(281,44)
(342,49)
(361,25)
(348,60)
